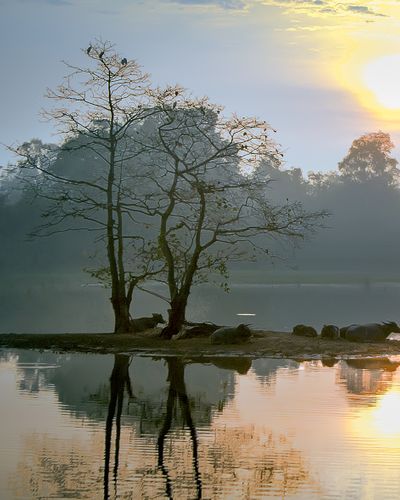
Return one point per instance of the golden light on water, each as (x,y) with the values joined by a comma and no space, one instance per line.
(381,422)
(386,415)
(286,430)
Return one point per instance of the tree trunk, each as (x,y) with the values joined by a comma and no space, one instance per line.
(176,316)
(122,322)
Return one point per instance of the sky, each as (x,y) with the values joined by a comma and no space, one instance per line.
(321,72)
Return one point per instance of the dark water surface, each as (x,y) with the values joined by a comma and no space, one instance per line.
(117,426)
(52,308)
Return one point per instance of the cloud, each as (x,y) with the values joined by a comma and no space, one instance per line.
(326,8)
(363,9)
(225,4)
(314,8)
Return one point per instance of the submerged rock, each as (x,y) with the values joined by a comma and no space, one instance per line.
(329,361)
(373,364)
(240,365)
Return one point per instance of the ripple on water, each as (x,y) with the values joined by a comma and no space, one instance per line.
(283,429)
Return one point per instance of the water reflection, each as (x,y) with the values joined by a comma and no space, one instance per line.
(198,428)
(119,381)
(177,394)
(367,377)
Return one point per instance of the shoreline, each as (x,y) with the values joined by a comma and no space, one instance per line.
(263,344)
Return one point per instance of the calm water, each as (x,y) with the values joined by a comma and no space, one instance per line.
(92,426)
(59,308)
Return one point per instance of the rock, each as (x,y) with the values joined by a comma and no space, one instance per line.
(231,335)
(330,332)
(304,331)
(371,332)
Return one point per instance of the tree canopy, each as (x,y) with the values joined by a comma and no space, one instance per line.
(369,158)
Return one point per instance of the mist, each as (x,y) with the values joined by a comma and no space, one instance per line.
(45,287)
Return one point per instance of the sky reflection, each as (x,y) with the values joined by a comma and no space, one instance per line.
(186,430)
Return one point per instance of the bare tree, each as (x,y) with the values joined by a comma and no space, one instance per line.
(207,194)
(171,187)
(90,177)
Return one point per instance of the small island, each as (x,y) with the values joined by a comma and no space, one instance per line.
(264,343)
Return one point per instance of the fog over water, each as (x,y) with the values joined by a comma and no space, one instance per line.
(54,309)
(346,271)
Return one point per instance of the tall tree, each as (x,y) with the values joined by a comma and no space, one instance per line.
(142,166)
(207,195)
(369,158)
(90,178)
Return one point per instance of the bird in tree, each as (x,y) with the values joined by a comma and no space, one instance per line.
(124,61)
(88,50)
(124,100)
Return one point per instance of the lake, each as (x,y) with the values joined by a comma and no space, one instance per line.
(62,306)
(118,426)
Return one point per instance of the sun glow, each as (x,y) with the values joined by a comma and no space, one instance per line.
(382,77)
(374,81)
(365,64)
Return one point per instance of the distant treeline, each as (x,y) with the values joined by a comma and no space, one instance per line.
(362,233)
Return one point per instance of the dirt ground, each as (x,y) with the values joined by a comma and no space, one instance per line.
(263,344)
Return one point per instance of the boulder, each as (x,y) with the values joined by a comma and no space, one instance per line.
(304,331)
(330,332)
(231,335)
(370,332)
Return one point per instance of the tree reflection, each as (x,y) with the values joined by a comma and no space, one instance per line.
(367,377)
(237,452)
(177,393)
(252,457)
(119,381)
